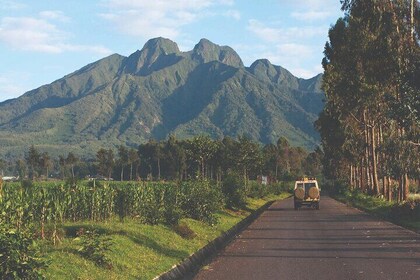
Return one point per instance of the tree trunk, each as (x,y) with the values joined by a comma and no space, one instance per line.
(374,162)
(406,187)
(412,21)
(362,175)
(366,155)
(158,163)
(389,195)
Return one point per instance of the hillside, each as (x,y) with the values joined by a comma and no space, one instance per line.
(157,91)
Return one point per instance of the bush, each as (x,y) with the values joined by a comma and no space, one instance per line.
(234,190)
(199,200)
(184,231)
(19,256)
(94,247)
(151,204)
(257,190)
(281,187)
(172,211)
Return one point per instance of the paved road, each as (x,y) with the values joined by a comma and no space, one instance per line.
(336,242)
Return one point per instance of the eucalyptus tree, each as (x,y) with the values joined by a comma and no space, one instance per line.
(122,159)
(174,158)
(71,161)
(369,59)
(271,158)
(283,148)
(33,160)
(249,158)
(201,149)
(106,161)
(21,168)
(151,154)
(133,160)
(46,163)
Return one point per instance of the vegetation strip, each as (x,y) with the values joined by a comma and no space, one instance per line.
(195,261)
(405,214)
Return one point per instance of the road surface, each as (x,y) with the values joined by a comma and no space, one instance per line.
(336,242)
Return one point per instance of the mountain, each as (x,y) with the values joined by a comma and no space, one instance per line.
(157,91)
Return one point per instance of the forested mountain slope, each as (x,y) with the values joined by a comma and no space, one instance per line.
(157,91)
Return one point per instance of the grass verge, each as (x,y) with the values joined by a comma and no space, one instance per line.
(138,251)
(405,214)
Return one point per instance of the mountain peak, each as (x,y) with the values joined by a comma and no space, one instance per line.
(161,45)
(156,54)
(206,51)
(263,69)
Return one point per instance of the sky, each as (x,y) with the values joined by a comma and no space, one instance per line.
(43,40)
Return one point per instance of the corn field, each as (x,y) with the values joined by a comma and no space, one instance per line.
(42,206)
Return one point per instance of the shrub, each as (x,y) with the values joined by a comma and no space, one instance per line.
(150,208)
(234,191)
(184,231)
(257,190)
(94,247)
(19,256)
(280,187)
(199,200)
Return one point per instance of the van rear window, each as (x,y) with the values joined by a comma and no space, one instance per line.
(309,185)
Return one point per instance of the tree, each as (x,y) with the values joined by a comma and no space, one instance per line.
(122,159)
(151,154)
(106,162)
(71,160)
(249,157)
(200,149)
(283,148)
(133,160)
(46,163)
(21,168)
(33,160)
(370,63)
(175,159)
(62,163)
(271,160)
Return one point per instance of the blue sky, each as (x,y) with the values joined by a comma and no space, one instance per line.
(43,40)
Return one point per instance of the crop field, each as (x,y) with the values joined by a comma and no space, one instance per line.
(109,230)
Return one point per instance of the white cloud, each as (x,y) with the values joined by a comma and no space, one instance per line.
(310,15)
(233,14)
(305,73)
(54,15)
(315,4)
(11,85)
(40,35)
(280,34)
(8,5)
(32,34)
(291,47)
(145,18)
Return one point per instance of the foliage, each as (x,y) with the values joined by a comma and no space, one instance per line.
(234,191)
(370,125)
(406,213)
(184,231)
(20,256)
(95,247)
(200,200)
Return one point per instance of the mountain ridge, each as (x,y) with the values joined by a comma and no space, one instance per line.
(157,91)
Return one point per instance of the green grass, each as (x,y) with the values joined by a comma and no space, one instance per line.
(139,251)
(404,214)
